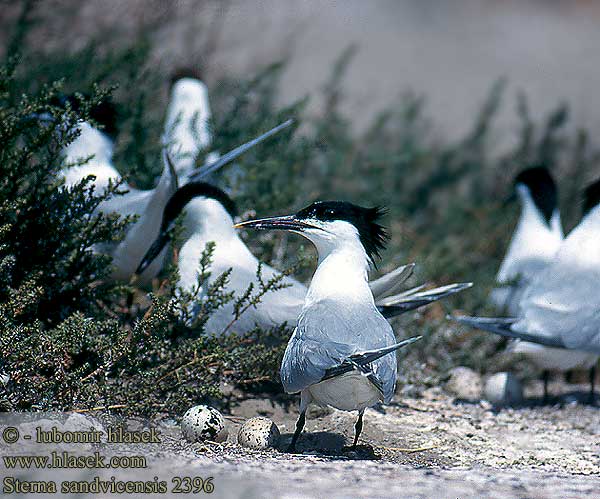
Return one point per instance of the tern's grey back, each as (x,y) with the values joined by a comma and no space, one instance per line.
(328,332)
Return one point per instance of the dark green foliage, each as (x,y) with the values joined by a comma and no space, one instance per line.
(69,338)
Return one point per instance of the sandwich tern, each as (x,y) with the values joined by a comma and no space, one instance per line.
(558,324)
(535,241)
(208,217)
(343,352)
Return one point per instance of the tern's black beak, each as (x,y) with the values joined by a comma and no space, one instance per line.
(157,246)
(289,222)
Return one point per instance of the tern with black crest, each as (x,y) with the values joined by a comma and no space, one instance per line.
(209,215)
(536,239)
(558,324)
(343,351)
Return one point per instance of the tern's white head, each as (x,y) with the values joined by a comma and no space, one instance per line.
(332,226)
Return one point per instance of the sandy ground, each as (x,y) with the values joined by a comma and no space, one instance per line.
(431,447)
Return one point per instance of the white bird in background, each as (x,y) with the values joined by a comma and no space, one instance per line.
(94,148)
(187,124)
(209,216)
(343,351)
(534,244)
(147,205)
(559,319)
(536,239)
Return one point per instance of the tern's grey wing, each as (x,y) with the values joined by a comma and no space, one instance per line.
(564,305)
(329,332)
(275,307)
(391,282)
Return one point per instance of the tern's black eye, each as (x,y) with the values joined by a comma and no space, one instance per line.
(365,220)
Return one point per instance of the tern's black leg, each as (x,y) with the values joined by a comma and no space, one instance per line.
(299,427)
(358,428)
(546,378)
(569,377)
(592,383)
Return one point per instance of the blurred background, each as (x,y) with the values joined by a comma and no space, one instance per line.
(451,52)
(429,108)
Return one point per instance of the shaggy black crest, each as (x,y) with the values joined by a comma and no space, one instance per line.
(185,194)
(542,188)
(591,197)
(104,113)
(373,235)
(185,72)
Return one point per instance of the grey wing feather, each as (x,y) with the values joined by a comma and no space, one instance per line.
(327,334)
(275,308)
(391,282)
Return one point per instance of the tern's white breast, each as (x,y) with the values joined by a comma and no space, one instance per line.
(349,392)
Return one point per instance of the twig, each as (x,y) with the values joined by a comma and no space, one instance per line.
(190,363)
(103,367)
(254,380)
(234,418)
(100,408)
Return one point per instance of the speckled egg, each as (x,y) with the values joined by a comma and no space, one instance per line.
(203,423)
(258,433)
(464,383)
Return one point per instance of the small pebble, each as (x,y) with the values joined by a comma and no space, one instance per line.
(503,389)
(464,383)
(258,433)
(201,423)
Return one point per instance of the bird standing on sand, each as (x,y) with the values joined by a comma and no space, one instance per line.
(559,319)
(536,240)
(343,351)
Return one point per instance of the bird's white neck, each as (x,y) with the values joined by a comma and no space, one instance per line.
(206,220)
(90,142)
(582,246)
(533,237)
(342,273)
